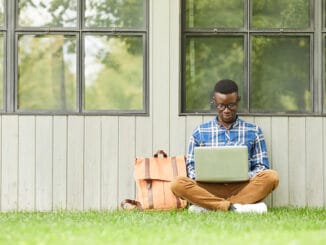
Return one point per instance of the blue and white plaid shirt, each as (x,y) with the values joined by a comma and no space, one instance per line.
(213,133)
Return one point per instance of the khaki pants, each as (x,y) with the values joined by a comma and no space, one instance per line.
(219,196)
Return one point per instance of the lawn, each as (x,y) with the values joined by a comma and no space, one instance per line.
(278,226)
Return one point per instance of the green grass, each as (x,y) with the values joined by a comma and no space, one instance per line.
(278,226)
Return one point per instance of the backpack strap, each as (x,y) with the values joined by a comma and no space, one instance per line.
(130,204)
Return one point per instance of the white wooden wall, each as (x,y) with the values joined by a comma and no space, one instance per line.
(86,162)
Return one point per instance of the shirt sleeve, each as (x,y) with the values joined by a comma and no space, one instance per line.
(259,157)
(256,170)
(190,163)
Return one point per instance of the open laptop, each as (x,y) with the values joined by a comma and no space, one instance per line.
(221,163)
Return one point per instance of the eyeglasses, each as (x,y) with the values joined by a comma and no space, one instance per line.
(230,106)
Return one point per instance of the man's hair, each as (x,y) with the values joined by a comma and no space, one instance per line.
(226,86)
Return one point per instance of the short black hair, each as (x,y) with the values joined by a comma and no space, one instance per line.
(226,86)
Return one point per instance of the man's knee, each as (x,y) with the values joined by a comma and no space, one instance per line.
(179,184)
(270,177)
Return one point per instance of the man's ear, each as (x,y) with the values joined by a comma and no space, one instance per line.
(213,100)
(239,98)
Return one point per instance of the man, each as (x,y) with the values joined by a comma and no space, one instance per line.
(228,129)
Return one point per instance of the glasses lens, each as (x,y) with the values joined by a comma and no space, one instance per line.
(232,106)
(221,107)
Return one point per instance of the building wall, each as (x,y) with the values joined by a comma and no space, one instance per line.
(86,162)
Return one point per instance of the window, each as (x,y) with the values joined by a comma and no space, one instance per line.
(2,49)
(324,54)
(74,56)
(271,48)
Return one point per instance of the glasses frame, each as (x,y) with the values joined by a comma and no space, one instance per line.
(231,106)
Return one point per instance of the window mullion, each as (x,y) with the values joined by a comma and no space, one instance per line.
(247,71)
(316,60)
(10,57)
(80,57)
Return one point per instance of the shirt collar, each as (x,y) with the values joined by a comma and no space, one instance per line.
(232,125)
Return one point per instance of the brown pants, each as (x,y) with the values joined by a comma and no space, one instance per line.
(219,196)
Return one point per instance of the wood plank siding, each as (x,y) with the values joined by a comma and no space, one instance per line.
(82,163)
(78,162)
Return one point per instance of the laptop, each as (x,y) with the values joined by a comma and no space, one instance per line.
(221,163)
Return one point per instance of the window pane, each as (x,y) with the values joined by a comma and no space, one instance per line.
(280,74)
(51,13)
(324,74)
(214,13)
(281,14)
(209,59)
(1,70)
(114,72)
(115,13)
(47,72)
(324,13)
(1,13)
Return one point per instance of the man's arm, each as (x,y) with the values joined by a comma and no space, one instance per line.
(259,158)
(190,163)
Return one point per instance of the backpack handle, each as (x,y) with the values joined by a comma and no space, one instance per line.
(162,153)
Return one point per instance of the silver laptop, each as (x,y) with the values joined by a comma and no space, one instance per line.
(221,164)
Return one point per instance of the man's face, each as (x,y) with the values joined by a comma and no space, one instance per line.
(226,106)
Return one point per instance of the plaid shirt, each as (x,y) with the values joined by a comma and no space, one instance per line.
(213,133)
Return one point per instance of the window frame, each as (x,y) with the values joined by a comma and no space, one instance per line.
(12,31)
(322,87)
(3,31)
(317,78)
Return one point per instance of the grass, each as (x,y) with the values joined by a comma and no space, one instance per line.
(278,226)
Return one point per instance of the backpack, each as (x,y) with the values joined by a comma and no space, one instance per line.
(153,177)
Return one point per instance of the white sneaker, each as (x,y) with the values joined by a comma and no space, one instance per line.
(259,208)
(197,209)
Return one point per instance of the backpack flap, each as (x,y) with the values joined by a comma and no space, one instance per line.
(165,169)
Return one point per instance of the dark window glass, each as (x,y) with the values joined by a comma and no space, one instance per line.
(209,59)
(2,13)
(214,13)
(113,72)
(1,71)
(281,14)
(324,64)
(47,72)
(113,13)
(280,74)
(47,13)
